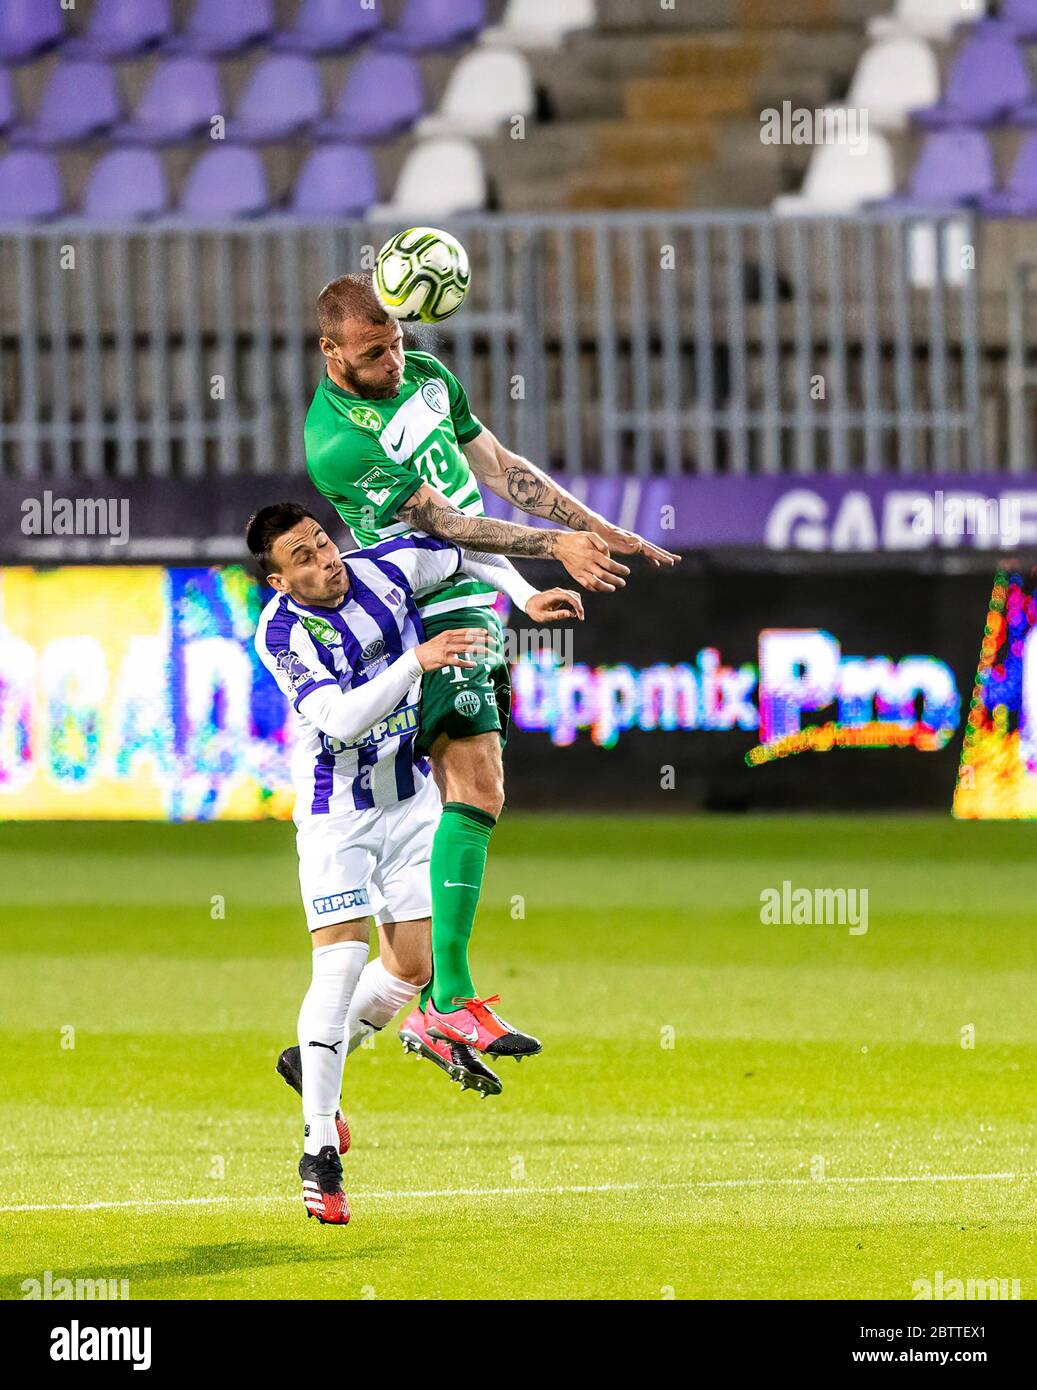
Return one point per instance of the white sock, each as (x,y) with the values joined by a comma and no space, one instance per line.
(378,998)
(322,1021)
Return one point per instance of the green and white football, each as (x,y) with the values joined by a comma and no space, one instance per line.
(422,275)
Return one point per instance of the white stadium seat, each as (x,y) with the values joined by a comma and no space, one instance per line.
(841,179)
(439,177)
(486,88)
(929,19)
(540,23)
(893,77)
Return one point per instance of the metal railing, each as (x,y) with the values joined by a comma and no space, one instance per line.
(622,343)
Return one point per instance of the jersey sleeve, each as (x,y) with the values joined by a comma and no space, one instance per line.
(288,652)
(466,425)
(353,471)
(423,561)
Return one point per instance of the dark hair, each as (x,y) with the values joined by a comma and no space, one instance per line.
(266,525)
(348,297)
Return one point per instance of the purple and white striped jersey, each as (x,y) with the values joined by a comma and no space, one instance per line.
(306,648)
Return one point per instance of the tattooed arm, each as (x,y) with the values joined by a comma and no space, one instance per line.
(531,490)
(585,556)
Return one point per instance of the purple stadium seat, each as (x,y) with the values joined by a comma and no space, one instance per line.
(382,95)
(225,182)
(1017,20)
(126,185)
(119,30)
(335,181)
(282,97)
(1018,198)
(218,27)
(955,169)
(28,27)
(328,26)
(30,187)
(180,100)
(7,107)
(80,100)
(988,78)
(428,24)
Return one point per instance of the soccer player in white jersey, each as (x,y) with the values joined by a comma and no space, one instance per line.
(343,640)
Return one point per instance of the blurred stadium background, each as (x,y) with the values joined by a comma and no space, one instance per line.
(754,277)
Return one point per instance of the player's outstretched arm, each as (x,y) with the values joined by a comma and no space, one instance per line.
(528,487)
(348,714)
(584,555)
(547,606)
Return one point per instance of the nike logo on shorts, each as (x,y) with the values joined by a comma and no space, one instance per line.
(447,884)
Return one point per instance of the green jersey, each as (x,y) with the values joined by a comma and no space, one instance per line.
(368,456)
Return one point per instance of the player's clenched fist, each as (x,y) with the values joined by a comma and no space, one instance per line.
(552,605)
(458,646)
(586,557)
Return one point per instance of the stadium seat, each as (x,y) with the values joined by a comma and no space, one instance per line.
(381,96)
(225,182)
(28,28)
(282,97)
(438,178)
(30,187)
(1016,19)
(335,181)
(1018,198)
(118,30)
(126,185)
(180,100)
(955,169)
(430,24)
(988,78)
(221,27)
(895,76)
(486,88)
(80,100)
(328,26)
(540,23)
(929,19)
(841,180)
(7,103)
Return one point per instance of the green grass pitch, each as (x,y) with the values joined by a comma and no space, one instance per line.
(723,1109)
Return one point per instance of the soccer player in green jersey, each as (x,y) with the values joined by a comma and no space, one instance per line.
(392,443)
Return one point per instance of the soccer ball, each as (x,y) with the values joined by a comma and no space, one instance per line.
(422,274)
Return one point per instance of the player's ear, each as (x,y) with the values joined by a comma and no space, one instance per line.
(329,349)
(276,582)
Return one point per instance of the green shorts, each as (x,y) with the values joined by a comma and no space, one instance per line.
(464,700)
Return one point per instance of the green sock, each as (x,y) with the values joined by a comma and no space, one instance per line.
(458,864)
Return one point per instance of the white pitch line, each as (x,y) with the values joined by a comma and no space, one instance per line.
(536,1191)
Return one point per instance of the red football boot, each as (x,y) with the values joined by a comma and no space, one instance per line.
(322,1192)
(458,1061)
(476,1025)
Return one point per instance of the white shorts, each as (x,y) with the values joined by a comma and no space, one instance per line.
(369,863)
